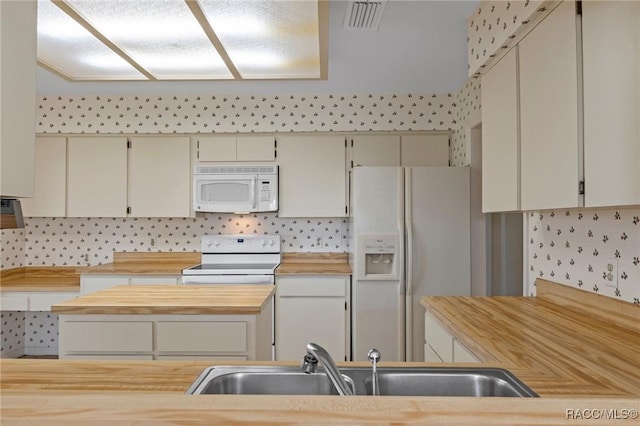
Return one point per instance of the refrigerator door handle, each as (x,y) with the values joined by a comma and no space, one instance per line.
(402,327)
(408,214)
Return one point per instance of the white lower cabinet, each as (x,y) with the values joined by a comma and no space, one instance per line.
(128,336)
(312,309)
(33,301)
(441,346)
(90,283)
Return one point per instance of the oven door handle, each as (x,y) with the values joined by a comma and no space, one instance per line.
(228,279)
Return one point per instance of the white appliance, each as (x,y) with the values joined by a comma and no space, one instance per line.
(235,188)
(410,237)
(236,259)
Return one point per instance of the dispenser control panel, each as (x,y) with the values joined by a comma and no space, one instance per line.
(379,257)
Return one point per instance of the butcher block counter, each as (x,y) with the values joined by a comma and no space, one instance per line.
(145,263)
(40,278)
(314,264)
(562,342)
(178,299)
(152,392)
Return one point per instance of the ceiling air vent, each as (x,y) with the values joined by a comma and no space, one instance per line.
(364,15)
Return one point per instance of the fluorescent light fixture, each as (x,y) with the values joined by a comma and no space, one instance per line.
(183,39)
(67,48)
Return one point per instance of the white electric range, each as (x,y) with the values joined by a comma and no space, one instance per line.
(236,259)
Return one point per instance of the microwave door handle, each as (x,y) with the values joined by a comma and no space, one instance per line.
(253,194)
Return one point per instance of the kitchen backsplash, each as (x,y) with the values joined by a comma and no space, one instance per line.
(574,247)
(82,241)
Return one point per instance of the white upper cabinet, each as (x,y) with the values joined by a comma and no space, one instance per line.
(50,190)
(159,183)
(235,148)
(400,150)
(424,150)
(375,150)
(611,58)
(549,113)
(97,176)
(501,136)
(18,100)
(312,176)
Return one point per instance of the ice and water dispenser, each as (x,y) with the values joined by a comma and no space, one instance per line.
(378,257)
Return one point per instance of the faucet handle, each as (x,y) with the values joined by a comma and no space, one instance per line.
(309,363)
(374,355)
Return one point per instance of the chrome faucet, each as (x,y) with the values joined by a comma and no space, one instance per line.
(317,353)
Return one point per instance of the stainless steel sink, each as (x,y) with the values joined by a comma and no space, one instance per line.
(410,381)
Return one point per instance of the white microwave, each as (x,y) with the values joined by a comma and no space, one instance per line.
(235,188)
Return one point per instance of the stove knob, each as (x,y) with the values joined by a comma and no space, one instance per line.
(263,242)
(216,242)
(270,242)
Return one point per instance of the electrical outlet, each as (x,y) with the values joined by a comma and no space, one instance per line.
(610,271)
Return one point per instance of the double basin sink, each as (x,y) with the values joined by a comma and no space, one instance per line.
(404,381)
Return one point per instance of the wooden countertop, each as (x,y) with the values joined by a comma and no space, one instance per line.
(171,299)
(562,342)
(41,279)
(314,264)
(135,392)
(145,263)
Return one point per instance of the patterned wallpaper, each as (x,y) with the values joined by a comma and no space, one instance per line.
(12,333)
(468,102)
(574,247)
(245,113)
(12,245)
(497,25)
(83,241)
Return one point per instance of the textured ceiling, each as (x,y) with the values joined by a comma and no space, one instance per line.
(420,46)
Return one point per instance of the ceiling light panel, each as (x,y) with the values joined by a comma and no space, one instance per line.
(268,39)
(69,49)
(162,36)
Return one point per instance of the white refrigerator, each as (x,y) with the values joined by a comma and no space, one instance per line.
(409,237)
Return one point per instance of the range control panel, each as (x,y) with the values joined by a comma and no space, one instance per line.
(240,243)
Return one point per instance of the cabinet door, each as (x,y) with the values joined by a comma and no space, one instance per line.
(549,112)
(160,177)
(462,354)
(425,150)
(216,148)
(97,177)
(440,341)
(255,148)
(611,61)
(311,309)
(18,48)
(90,283)
(375,150)
(50,191)
(312,176)
(501,136)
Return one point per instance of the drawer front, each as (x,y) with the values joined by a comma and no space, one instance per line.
(462,354)
(109,357)
(311,286)
(43,302)
(438,338)
(14,302)
(195,336)
(203,357)
(105,337)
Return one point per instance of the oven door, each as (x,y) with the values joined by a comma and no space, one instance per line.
(228,279)
(224,194)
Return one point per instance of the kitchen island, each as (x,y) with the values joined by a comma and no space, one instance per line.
(169,322)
